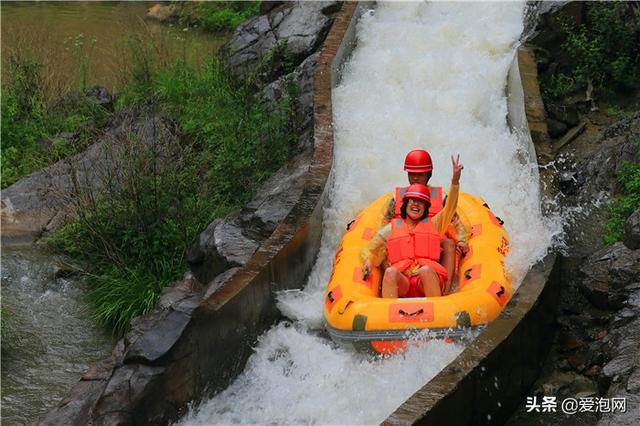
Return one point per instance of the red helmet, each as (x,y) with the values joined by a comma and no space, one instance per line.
(418,161)
(419,191)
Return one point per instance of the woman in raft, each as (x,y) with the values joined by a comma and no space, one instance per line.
(412,244)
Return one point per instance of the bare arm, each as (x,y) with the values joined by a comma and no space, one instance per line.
(443,218)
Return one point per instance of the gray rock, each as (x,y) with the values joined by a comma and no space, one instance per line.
(221,246)
(77,404)
(49,198)
(125,390)
(268,44)
(631,236)
(606,274)
(556,128)
(622,126)
(154,344)
(628,417)
(219,281)
(633,384)
(230,242)
(567,114)
(302,79)
(275,198)
(102,96)
(173,295)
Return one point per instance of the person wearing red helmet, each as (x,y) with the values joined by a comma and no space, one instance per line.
(411,245)
(419,168)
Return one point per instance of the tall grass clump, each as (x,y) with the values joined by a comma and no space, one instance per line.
(155,198)
(603,52)
(30,123)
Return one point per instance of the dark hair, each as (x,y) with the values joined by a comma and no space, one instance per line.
(403,209)
(429,176)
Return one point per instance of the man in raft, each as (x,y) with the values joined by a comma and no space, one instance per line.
(412,243)
(419,168)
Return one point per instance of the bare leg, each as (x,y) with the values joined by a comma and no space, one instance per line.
(430,281)
(448,260)
(391,280)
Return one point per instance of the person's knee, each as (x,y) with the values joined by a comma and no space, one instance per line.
(391,272)
(426,269)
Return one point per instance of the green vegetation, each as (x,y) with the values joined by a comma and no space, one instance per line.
(218,15)
(136,237)
(627,202)
(28,120)
(604,51)
(616,111)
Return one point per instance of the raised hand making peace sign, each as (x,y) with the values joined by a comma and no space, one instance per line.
(457,169)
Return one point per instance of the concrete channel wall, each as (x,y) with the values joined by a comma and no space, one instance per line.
(491,377)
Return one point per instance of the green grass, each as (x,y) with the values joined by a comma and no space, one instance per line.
(216,16)
(626,202)
(27,120)
(134,240)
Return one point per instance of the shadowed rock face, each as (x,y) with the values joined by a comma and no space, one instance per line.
(631,237)
(268,44)
(607,273)
(230,242)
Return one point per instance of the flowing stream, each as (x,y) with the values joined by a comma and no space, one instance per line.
(53,339)
(423,75)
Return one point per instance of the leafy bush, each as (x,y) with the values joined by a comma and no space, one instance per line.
(605,50)
(217,16)
(628,201)
(27,120)
(555,86)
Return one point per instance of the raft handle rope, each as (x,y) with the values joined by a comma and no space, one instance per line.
(500,292)
(330,297)
(349,225)
(413,314)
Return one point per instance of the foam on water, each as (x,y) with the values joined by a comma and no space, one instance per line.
(423,75)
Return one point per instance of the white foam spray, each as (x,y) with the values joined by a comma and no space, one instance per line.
(423,75)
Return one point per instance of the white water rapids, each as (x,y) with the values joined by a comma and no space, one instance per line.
(423,75)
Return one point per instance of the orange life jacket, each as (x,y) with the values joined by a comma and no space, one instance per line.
(436,200)
(408,246)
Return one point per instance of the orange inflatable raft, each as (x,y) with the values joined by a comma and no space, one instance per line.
(356,315)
